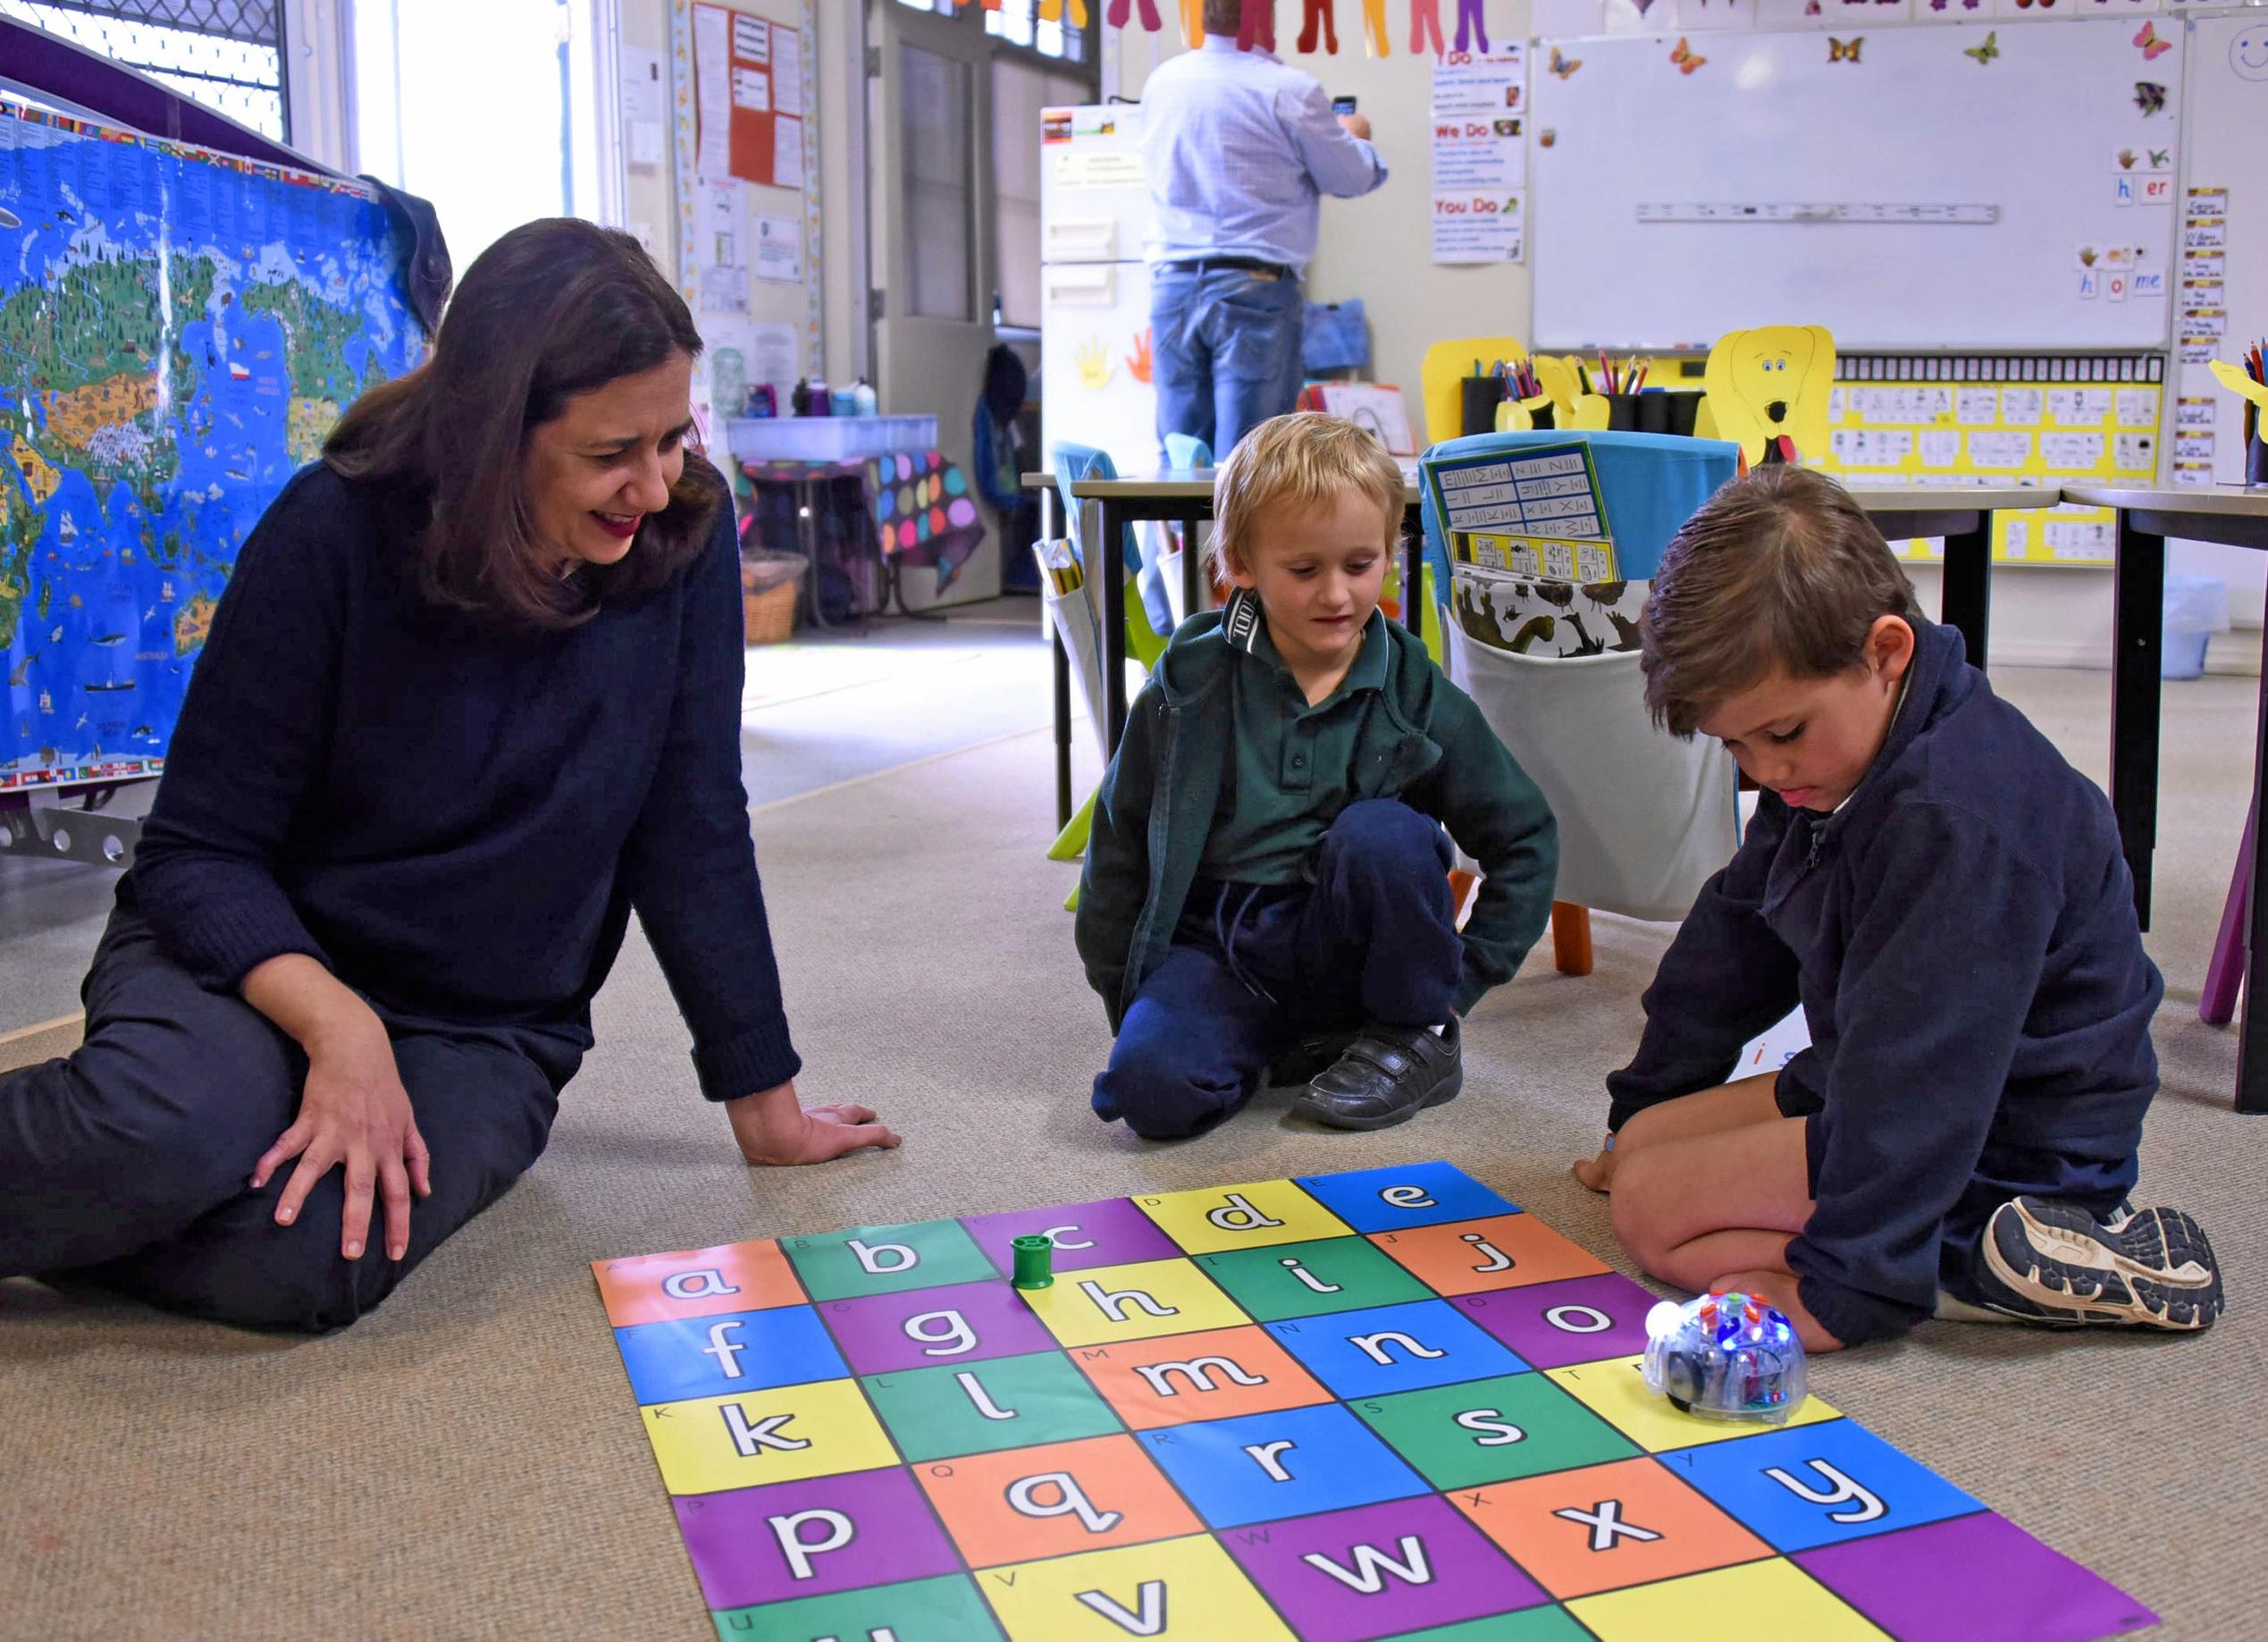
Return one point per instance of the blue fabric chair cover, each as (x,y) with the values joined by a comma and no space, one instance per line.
(1650,483)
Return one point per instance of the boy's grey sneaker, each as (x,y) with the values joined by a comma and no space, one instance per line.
(1388,1075)
(2052,1262)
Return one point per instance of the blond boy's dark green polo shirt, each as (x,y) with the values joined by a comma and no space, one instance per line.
(1294,766)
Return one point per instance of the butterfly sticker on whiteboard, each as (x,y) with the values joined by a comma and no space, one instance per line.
(1562,65)
(2149,97)
(1686,59)
(1986,53)
(2153,47)
(1844,51)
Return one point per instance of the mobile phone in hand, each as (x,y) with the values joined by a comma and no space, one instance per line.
(1342,104)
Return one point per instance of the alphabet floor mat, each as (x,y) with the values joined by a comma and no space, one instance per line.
(1380,1403)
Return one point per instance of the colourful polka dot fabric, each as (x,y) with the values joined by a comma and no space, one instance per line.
(922,510)
(920,501)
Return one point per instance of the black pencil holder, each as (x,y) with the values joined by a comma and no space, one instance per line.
(1623,412)
(1480,396)
(2256,451)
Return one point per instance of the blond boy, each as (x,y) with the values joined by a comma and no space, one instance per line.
(1267,885)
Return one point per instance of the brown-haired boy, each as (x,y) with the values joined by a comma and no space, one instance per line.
(1947,900)
(1267,880)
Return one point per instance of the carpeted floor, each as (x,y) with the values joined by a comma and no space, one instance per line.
(468,1463)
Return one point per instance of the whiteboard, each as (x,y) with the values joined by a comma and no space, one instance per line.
(2227,149)
(2033,134)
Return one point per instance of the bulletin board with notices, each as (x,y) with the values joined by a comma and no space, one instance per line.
(1997,420)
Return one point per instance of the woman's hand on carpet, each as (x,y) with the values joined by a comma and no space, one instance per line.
(355,1113)
(774,1127)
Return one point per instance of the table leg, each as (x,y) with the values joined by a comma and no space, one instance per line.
(1966,602)
(1413,569)
(807,538)
(2252,1032)
(1191,567)
(1108,561)
(1062,675)
(1063,728)
(2138,618)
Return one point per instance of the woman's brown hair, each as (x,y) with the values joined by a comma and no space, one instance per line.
(554,308)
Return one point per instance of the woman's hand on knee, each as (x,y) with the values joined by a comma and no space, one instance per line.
(774,1127)
(353,1114)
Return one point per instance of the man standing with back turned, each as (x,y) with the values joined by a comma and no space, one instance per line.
(1239,151)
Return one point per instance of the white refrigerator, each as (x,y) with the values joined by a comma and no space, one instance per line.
(1095,313)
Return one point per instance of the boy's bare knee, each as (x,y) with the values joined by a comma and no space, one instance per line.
(1637,1130)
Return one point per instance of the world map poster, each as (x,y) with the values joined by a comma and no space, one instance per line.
(179,332)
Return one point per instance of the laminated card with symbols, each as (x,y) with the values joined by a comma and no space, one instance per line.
(1380,1403)
(1534,512)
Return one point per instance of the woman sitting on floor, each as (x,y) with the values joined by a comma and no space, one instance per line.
(472,696)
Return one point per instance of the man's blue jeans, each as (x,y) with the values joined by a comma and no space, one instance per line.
(1224,351)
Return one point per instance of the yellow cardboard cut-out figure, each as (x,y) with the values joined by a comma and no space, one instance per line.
(1767,391)
(2232,377)
(1557,374)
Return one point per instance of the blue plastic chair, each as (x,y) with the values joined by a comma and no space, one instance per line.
(1072,464)
(1188,450)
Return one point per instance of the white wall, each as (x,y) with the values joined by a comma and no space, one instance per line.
(1376,249)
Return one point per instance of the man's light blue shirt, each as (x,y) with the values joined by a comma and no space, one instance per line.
(1240,149)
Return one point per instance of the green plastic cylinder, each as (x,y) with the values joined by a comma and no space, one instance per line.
(1035,1261)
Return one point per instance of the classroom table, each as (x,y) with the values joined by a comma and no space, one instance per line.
(1962,516)
(2146,518)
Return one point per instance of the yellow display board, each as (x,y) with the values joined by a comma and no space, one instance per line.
(1959,422)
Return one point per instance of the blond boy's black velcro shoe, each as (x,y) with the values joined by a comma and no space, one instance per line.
(1388,1075)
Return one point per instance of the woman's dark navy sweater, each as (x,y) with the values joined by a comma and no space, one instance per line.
(458,816)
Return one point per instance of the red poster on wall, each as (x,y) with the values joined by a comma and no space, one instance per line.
(752,97)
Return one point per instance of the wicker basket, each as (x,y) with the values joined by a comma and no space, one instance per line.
(770,582)
(769,617)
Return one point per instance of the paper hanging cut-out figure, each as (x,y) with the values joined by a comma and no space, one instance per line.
(1052,11)
(1768,388)
(1471,26)
(1256,25)
(1193,23)
(1320,12)
(1374,41)
(1151,20)
(1425,19)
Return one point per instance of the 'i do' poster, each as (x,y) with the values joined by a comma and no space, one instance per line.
(1480,156)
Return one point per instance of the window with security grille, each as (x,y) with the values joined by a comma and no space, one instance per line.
(227,55)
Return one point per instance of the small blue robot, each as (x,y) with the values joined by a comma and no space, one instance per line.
(1726,1356)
